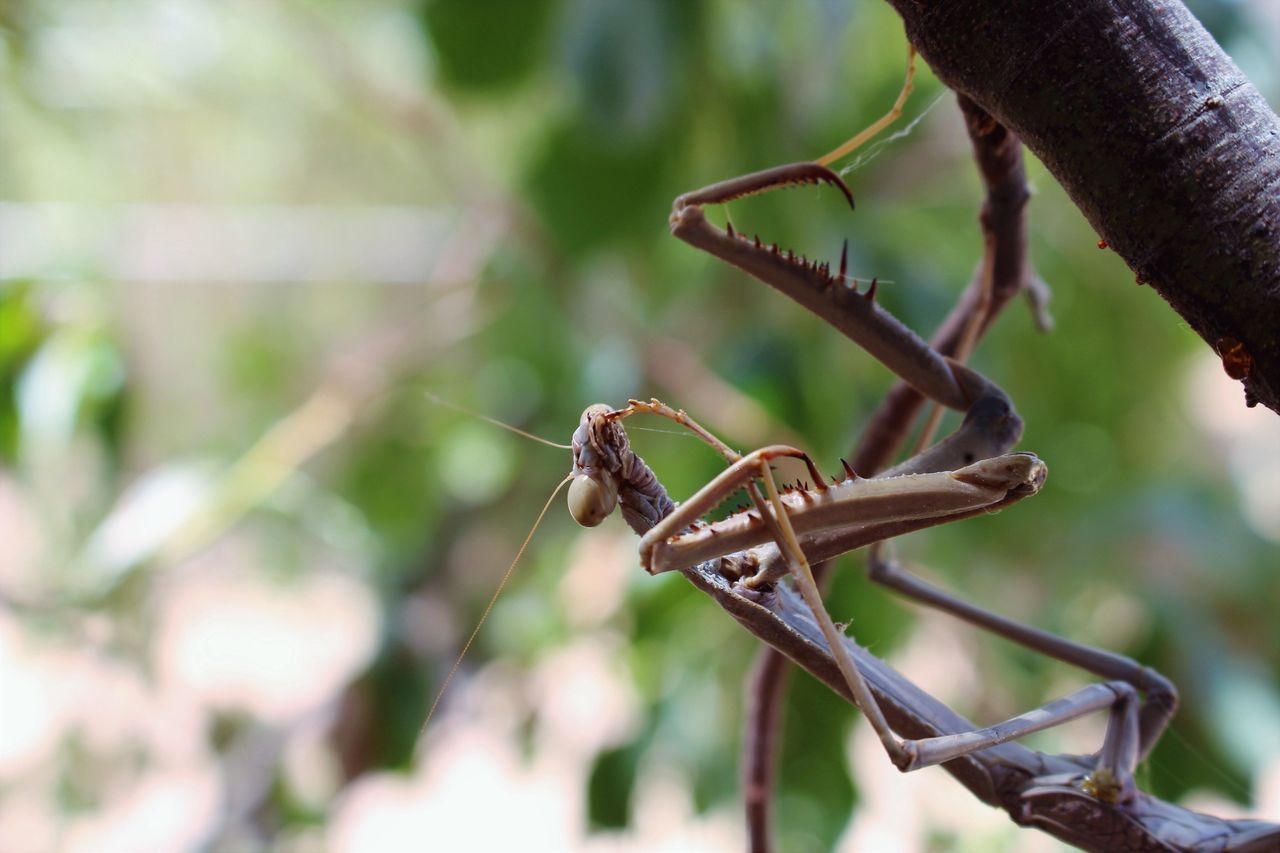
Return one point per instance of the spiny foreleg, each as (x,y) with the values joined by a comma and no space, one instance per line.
(831,295)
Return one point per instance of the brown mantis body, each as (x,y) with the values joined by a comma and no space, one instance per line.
(739,560)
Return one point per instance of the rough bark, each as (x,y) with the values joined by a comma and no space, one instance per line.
(1170,153)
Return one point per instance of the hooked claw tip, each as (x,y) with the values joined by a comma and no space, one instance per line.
(844,188)
(826,175)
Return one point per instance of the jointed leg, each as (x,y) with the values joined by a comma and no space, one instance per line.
(656,407)
(803,574)
(824,292)
(884,121)
(1161,695)
(1129,735)
(855,314)
(1124,740)
(776,520)
(1130,731)
(1112,778)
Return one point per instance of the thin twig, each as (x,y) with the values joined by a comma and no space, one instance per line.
(766,687)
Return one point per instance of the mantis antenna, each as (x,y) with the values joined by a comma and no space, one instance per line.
(492,601)
(459,408)
(520,553)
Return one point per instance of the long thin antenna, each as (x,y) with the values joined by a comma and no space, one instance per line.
(497,592)
(450,405)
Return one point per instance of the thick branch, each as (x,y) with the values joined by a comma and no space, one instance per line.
(1167,149)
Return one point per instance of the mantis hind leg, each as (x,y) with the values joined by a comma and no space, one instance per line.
(788,543)
(1161,696)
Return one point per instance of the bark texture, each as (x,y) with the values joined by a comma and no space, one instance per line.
(1170,153)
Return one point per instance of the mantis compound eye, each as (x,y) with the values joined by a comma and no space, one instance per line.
(591,500)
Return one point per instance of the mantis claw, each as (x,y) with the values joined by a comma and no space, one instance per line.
(792,174)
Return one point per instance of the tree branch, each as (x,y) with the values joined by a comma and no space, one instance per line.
(1170,153)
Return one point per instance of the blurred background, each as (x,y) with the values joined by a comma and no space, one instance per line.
(243,243)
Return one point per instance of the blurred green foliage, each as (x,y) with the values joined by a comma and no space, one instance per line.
(566,128)
(493,48)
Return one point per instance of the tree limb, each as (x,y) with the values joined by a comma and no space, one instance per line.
(1167,149)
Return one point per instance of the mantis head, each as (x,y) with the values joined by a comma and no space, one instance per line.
(593,494)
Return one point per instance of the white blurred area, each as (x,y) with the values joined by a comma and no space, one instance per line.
(474,790)
(476,787)
(135,738)
(265,244)
(1248,439)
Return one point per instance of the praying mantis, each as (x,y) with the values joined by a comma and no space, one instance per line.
(1092,801)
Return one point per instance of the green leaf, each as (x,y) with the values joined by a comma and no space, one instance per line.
(486,46)
(591,191)
(611,785)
